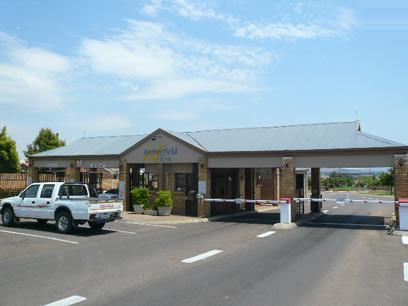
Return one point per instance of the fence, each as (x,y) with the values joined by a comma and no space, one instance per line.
(12,183)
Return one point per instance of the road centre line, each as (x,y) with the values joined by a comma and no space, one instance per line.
(201,256)
(39,236)
(406,271)
(404,239)
(68,301)
(335,207)
(148,224)
(266,234)
(325,211)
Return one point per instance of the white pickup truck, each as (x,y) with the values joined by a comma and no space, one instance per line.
(69,204)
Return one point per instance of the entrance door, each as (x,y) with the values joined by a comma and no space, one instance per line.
(224,185)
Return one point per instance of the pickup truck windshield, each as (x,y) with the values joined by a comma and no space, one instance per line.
(73,190)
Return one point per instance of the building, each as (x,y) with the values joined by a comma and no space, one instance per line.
(251,163)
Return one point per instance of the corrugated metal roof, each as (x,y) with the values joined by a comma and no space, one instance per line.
(342,135)
(90,146)
(324,136)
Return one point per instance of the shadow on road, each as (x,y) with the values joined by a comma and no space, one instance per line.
(348,222)
(50,228)
(255,218)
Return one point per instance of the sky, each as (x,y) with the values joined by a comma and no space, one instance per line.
(97,67)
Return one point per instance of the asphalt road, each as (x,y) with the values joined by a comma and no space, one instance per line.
(344,257)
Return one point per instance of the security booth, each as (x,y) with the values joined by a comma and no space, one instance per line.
(247,163)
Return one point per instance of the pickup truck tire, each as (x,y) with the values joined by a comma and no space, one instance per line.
(42,221)
(64,223)
(8,217)
(96,225)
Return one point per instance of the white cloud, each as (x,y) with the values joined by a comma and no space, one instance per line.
(30,77)
(282,30)
(296,29)
(155,63)
(347,19)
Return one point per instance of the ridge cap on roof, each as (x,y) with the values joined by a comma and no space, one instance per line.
(272,127)
(111,136)
(388,141)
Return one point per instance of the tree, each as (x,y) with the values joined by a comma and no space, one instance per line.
(46,140)
(9,161)
(387,179)
(337,180)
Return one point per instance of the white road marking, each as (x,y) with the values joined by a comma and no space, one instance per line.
(266,234)
(346,224)
(39,236)
(406,271)
(119,231)
(404,239)
(148,224)
(325,211)
(68,301)
(201,256)
(335,207)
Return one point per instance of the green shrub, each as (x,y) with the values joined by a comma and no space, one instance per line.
(140,196)
(164,199)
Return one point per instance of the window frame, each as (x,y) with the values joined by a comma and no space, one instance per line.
(24,193)
(43,188)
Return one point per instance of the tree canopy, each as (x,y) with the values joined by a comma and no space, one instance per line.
(46,140)
(9,161)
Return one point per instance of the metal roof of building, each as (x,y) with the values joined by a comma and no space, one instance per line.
(324,136)
(94,146)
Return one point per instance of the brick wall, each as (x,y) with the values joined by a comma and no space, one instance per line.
(288,181)
(401,178)
(204,174)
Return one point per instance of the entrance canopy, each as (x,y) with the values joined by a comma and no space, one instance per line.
(325,145)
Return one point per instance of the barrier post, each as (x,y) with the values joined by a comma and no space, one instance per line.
(403,214)
(285,211)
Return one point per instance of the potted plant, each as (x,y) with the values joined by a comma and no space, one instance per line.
(150,209)
(140,198)
(164,203)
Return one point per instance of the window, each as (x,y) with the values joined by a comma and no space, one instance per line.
(152,180)
(181,183)
(47,190)
(31,192)
(73,190)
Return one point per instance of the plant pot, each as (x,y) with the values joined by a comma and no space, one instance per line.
(164,210)
(150,212)
(138,209)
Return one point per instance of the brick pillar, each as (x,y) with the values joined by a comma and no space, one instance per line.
(276,187)
(160,168)
(32,173)
(73,173)
(401,179)
(204,175)
(241,177)
(316,190)
(124,184)
(288,182)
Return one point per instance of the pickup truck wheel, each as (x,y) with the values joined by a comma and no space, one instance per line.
(42,221)
(8,217)
(96,225)
(64,222)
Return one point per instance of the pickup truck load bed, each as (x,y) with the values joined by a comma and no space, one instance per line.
(69,204)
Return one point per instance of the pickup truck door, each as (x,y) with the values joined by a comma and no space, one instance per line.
(45,201)
(28,202)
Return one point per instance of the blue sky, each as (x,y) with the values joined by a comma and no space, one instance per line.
(88,68)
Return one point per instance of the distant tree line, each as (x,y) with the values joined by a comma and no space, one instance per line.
(9,160)
(339,180)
